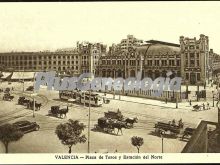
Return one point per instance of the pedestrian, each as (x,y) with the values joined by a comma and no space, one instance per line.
(181,123)
(190,102)
(208,106)
(203,105)
(166,100)
(173,122)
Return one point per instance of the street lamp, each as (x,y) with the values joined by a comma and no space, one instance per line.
(161,134)
(89,118)
(176,101)
(114,80)
(213,97)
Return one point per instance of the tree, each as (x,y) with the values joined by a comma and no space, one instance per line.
(9,133)
(70,133)
(137,142)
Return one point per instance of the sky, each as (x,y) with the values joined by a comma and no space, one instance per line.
(50,26)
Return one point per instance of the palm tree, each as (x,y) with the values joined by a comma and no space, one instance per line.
(70,133)
(137,142)
(9,133)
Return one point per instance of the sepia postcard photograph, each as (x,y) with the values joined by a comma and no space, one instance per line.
(98,82)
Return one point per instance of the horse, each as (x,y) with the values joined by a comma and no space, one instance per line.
(10,98)
(63,111)
(119,125)
(38,105)
(131,121)
(25,101)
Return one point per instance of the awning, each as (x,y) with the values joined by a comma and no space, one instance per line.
(22,75)
(6,75)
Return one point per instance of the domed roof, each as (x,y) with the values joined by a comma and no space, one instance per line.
(158,49)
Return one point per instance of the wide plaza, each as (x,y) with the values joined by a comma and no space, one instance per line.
(148,112)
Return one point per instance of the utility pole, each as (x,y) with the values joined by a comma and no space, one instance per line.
(34,107)
(34,99)
(197,92)
(176,99)
(161,134)
(113,85)
(89,121)
(84,95)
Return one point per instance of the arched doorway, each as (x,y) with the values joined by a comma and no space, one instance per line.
(119,73)
(150,74)
(157,74)
(109,73)
(103,73)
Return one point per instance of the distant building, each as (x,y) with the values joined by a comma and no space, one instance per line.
(191,59)
(60,61)
(90,54)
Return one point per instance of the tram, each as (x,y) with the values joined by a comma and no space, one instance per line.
(82,97)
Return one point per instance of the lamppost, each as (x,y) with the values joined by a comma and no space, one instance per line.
(161,134)
(213,97)
(33,96)
(197,92)
(89,121)
(114,80)
(89,118)
(176,100)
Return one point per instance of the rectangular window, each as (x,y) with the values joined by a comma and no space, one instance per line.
(191,55)
(192,62)
(198,77)
(170,62)
(187,76)
(178,62)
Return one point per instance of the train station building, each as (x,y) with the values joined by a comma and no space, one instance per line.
(191,59)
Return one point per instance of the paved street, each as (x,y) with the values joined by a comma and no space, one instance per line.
(148,112)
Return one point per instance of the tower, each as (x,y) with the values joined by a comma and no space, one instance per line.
(195,59)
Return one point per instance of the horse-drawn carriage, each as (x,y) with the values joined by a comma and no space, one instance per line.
(105,125)
(114,115)
(108,125)
(167,127)
(197,107)
(29,103)
(23,101)
(57,112)
(8,97)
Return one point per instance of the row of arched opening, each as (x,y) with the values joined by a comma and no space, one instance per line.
(132,73)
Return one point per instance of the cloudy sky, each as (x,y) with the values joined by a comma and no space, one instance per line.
(49,26)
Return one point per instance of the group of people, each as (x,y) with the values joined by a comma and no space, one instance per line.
(203,105)
(204,108)
(173,123)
